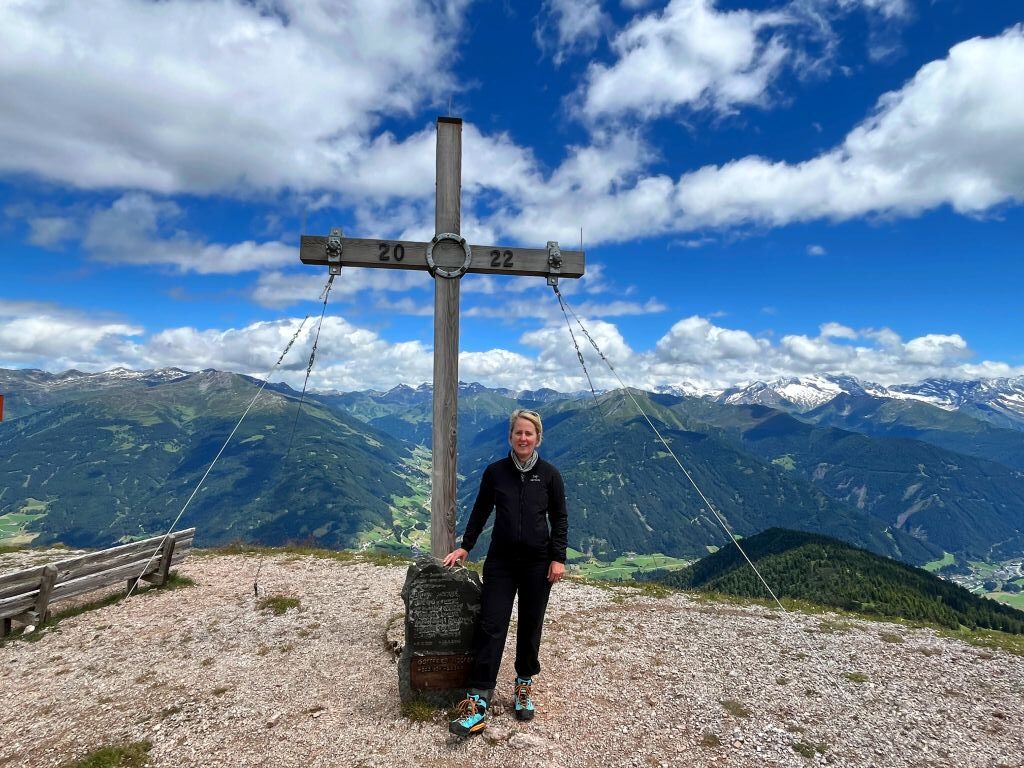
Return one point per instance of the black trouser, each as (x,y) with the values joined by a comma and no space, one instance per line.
(503,578)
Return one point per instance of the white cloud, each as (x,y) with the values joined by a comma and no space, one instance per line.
(138,229)
(50,231)
(693,350)
(838,331)
(348,357)
(576,26)
(816,250)
(689,54)
(78,102)
(936,349)
(697,340)
(890,9)
(816,353)
(44,335)
(282,289)
(950,136)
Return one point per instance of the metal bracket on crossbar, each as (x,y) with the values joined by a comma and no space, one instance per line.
(554,262)
(334,249)
(442,271)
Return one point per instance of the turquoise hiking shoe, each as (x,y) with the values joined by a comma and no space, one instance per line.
(472,716)
(524,703)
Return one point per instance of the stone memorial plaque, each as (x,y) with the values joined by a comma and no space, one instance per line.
(433,672)
(441,608)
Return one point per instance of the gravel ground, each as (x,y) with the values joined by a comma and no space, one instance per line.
(629,680)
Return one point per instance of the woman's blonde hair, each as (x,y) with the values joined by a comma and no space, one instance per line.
(531,416)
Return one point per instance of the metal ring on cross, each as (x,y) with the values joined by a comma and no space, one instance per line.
(444,271)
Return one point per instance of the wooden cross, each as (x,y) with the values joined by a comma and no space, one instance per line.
(447,257)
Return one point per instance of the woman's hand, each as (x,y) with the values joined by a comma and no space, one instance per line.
(455,558)
(556,571)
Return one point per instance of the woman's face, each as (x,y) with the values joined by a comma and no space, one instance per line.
(523,439)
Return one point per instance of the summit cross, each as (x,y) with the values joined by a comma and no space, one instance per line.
(447,257)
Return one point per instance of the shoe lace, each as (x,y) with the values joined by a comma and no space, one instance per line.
(522,693)
(467,707)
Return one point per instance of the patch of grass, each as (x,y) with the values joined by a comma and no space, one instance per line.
(135,755)
(934,565)
(855,677)
(379,557)
(296,550)
(832,627)
(176,581)
(891,637)
(987,638)
(278,604)
(809,748)
(418,710)
(734,708)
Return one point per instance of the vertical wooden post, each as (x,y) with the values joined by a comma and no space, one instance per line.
(160,577)
(447,218)
(43,598)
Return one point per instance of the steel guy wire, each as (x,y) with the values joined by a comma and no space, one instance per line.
(720,518)
(266,380)
(309,369)
(579,354)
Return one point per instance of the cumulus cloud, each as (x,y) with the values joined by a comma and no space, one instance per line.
(837,331)
(696,340)
(139,229)
(78,102)
(694,351)
(44,335)
(950,136)
(688,54)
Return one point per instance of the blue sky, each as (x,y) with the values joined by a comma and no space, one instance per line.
(764,189)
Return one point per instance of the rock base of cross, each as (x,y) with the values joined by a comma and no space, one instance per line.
(441,609)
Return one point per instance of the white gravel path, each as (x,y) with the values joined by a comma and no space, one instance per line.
(628,680)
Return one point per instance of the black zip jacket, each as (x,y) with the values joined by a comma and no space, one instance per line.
(531,519)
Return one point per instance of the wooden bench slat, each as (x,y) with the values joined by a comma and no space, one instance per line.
(15,579)
(143,545)
(12,606)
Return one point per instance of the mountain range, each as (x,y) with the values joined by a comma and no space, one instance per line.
(912,473)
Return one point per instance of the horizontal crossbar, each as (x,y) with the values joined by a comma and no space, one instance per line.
(405,254)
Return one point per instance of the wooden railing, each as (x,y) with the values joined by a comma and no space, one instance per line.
(26,595)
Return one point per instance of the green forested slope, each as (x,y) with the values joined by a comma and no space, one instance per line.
(828,572)
(122,463)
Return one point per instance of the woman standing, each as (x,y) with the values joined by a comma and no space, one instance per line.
(526,556)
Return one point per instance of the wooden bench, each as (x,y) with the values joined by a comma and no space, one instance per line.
(26,595)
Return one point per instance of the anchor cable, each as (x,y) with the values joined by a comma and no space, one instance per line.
(719,517)
(579,354)
(309,369)
(266,380)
